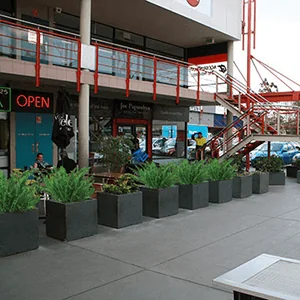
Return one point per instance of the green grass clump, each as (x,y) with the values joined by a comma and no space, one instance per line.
(68,188)
(156,177)
(218,171)
(16,195)
(191,173)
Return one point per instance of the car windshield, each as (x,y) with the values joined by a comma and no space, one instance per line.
(274,147)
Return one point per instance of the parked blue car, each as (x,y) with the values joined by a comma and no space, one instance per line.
(284,150)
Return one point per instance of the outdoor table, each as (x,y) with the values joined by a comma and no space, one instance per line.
(106,177)
(265,277)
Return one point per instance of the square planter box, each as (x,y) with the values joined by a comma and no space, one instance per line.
(71,221)
(120,211)
(242,186)
(193,196)
(277,178)
(220,191)
(298,177)
(19,232)
(159,203)
(260,183)
(291,171)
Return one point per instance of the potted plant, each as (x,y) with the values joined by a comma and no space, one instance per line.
(220,175)
(120,204)
(115,151)
(291,171)
(274,166)
(160,194)
(71,214)
(19,217)
(193,185)
(242,182)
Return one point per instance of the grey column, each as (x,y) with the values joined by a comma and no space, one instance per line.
(229,117)
(84,95)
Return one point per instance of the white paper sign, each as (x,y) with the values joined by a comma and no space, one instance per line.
(88,57)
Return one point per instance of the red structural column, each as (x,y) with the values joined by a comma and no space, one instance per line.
(198,88)
(178,85)
(154,78)
(96,75)
(78,73)
(128,74)
(149,139)
(38,58)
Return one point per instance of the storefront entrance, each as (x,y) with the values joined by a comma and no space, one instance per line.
(33,135)
(141,129)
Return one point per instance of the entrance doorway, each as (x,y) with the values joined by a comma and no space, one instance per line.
(142,129)
(33,135)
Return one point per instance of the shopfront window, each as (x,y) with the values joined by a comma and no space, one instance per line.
(168,139)
(4,143)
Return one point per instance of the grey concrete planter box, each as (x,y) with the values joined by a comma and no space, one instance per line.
(242,186)
(298,177)
(193,196)
(260,183)
(220,191)
(291,171)
(277,178)
(160,203)
(19,232)
(120,211)
(71,221)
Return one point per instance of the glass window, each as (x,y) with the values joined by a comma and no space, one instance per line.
(7,5)
(66,22)
(102,31)
(164,48)
(129,38)
(168,139)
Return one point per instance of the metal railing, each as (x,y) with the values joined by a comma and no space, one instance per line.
(48,46)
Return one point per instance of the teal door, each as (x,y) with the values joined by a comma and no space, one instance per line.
(33,135)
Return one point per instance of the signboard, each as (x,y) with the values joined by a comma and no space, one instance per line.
(187,8)
(5,99)
(98,107)
(171,113)
(35,102)
(191,129)
(133,110)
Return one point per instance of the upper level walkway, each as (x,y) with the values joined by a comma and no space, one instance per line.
(47,55)
(173,258)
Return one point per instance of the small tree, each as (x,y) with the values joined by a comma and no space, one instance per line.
(116,151)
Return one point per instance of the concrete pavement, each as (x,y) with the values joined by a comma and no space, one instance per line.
(173,258)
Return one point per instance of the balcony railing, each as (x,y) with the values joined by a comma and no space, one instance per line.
(47,46)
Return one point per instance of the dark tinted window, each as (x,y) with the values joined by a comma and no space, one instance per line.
(164,48)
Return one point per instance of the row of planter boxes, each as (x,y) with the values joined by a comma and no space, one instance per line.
(19,232)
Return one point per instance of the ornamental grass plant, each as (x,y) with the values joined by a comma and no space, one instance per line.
(16,195)
(152,176)
(191,173)
(218,171)
(67,188)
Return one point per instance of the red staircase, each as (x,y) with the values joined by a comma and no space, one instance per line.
(253,110)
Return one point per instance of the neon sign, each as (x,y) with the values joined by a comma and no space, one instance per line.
(33,101)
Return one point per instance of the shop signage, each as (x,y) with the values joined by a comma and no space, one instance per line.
(171,113)
(133,110)
(208,69)
(193,3)
(24,101)
(5,99)
(98,107)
